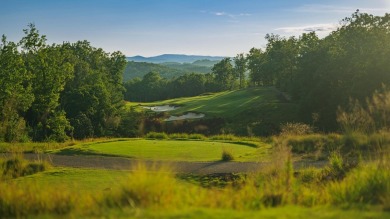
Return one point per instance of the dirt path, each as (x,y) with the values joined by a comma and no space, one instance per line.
(119,163)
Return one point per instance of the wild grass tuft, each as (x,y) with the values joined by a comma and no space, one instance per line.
(17,166)
(157,135)
(196,137)
(227,155)
(369,184)
(178,136)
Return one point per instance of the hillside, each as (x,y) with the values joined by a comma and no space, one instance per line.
(173,58)
(139,69)
(259,110)
(199,66)
(167,70)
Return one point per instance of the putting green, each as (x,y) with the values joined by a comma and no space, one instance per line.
(168,150)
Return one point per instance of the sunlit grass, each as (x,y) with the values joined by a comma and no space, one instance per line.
(225,104)
(171,150)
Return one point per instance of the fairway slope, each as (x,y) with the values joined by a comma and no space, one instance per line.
(258,111)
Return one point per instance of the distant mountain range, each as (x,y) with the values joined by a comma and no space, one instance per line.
(173,58)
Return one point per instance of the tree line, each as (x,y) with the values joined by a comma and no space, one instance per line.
(53,92)
(227,74)
(320,75)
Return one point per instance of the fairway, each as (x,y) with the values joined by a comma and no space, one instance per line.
(225,104)
(168,150)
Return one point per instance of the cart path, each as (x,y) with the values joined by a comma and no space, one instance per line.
(120,163)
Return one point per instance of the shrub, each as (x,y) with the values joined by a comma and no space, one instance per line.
(17,167)
(226,137)
(296,129)
(312,142)
(157,135)
(227,155)
(178,136)
(196,137)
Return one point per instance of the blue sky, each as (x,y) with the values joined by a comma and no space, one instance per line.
(199,27)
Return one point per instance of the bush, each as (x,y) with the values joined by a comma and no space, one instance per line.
(196,137)
(17,167)
(296,129)
(226,137)
(157,135)
(227,155)
(178,136)
(312,143)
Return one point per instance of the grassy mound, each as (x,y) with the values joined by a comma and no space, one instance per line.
(258,111)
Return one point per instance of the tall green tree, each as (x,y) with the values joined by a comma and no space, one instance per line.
(94,97)
(240,63)
(50,69)
(15,92)
(224,74)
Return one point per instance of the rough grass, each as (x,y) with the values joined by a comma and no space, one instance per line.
(157,193)
(166,150)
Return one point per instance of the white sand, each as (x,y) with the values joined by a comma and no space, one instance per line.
(163,108)
(185,116)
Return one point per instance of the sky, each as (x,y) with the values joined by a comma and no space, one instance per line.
(192,27)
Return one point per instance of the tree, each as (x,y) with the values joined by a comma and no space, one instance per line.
(224,74)
(94,97)
(50,69)
(240,68)
(15,92)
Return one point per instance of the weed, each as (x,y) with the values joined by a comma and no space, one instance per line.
(157,135)
(178,136)
(17,167)
(227,155)
(296,129)
(196,137)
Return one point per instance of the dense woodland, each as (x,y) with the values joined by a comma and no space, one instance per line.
(53,92)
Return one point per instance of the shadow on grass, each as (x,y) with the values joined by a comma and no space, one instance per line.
(85,152)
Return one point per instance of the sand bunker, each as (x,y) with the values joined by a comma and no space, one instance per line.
(185,116)
(163,108)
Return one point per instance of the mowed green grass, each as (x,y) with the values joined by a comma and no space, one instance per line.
(223,104)
(267,213)
(172,150)
(75,179)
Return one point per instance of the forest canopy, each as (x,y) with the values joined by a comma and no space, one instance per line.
(51,92)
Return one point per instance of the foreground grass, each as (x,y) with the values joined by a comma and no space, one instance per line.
(364,192)
(270,213)
(172,150)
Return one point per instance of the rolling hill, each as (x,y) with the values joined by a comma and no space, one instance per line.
(259,110)
(167,70)
(139,69)
(173,58)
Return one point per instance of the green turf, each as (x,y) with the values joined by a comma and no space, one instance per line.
(172,150)
(225,104)
(319,212)
(258,111)
(76,179)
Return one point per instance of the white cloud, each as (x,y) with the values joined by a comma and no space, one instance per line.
(220,13)
(309,28)
(233,16)
(318,8)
